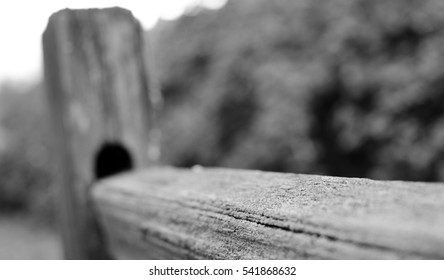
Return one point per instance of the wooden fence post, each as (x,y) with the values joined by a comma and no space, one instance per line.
(98,91)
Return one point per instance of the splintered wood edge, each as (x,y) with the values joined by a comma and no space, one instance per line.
(170,213)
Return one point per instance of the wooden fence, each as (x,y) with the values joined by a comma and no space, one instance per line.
(104,117)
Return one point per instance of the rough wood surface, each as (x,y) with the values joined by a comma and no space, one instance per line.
(98,92)
(172,213)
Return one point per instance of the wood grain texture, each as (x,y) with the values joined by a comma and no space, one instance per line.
(168,213)
(98,91)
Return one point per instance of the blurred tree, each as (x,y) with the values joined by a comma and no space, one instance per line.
(344,87)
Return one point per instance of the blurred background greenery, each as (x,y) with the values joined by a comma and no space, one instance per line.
(344,87)
(25,152)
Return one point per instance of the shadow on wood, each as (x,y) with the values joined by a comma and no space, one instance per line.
(112,159)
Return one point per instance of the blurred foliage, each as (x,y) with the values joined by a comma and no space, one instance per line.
(25,158)
(344,87)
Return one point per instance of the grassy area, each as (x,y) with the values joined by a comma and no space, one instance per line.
(24,238)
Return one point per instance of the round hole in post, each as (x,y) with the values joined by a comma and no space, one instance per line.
(111,159)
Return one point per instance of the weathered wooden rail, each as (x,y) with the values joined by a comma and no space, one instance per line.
(237,214)
(102,108)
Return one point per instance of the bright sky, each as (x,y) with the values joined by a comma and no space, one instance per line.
(23,21)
